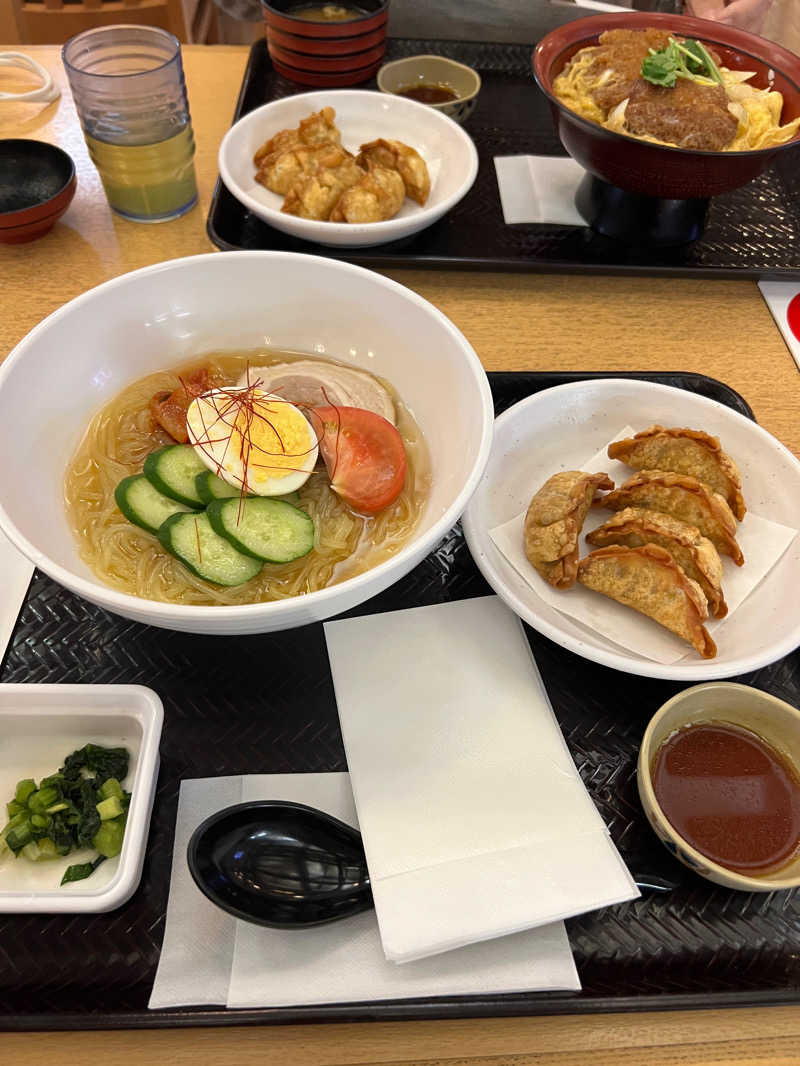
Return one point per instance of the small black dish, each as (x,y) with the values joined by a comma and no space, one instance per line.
(37,183)
(280,864)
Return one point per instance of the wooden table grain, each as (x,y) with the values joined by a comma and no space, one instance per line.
(515,322)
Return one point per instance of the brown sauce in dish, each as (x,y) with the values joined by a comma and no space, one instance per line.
(730,795)
(428,93)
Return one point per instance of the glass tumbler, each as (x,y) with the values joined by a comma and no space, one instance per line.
(130,94)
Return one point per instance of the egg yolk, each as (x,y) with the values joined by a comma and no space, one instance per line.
(274,440)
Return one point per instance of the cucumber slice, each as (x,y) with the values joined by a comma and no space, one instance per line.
(143,504)
(190,538)
(264,527)
(173,470)
(210,487)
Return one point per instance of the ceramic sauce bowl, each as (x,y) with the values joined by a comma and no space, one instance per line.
(777,723)
(416,71)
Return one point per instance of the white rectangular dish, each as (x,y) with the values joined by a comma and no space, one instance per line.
(41,725)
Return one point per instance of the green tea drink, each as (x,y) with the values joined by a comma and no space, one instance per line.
(147,182)
(130,94)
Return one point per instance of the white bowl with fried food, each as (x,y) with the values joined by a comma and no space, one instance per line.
(562,428)
(361,117)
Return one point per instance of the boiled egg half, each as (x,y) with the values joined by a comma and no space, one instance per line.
(253,440)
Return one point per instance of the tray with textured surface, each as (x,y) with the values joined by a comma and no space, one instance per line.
(695,946)
(753,232)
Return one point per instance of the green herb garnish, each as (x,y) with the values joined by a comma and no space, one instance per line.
(82,805)
(680,59)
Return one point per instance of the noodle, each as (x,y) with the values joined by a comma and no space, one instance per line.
(120,437)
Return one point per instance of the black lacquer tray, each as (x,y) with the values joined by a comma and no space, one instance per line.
(753,232)
(227,713)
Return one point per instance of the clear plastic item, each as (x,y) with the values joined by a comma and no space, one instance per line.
(130,95)
(47,91)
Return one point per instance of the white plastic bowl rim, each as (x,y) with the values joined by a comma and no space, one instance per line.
(97,592)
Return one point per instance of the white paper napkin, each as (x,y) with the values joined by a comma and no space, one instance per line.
(783,300)
(210,958)
(762,541)
(15,576)
(475,821)
(539,188)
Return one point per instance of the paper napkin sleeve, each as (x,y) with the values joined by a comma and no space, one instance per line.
(461,776)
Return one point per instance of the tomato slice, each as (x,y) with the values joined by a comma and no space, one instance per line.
(364,455)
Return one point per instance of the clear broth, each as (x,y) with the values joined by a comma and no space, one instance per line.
(127,558)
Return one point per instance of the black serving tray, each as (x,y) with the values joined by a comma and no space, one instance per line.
(753,232)
(698,946)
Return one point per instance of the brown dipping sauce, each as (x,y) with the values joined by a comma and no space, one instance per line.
(730,795)
(428,93)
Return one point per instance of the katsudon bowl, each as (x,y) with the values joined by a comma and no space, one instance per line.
(81,358)
(656,170)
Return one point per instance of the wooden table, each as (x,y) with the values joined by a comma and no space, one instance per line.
(515,322)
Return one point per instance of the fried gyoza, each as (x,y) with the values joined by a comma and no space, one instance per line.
(554,520)
(684,451)
(289,167)
(694,553)
(650,581)
(398,156)
(378,196)
(315,196)
(318,129)
(684,498)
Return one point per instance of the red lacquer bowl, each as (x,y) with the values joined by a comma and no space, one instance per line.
(652,169)
(332,54)
(37,183)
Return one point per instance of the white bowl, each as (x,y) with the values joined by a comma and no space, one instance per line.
(42,724)
(361,116)
(775,721)
(561,428)
(82,355)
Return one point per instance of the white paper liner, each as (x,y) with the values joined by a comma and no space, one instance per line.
(762,541)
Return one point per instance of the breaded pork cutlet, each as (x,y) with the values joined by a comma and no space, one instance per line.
(690,115)
(618,62)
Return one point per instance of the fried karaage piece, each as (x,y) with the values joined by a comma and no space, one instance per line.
(312,132)
(694,553)
(650,581)
(684,498)
(394,155)
(378,196)
(689,114)
(554,521)
(287,168)
(316,195)
(684,451)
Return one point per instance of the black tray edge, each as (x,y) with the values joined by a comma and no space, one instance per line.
(542,1005)
(383,261)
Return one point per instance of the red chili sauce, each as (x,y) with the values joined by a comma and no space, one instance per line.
(429,94)
(730,795)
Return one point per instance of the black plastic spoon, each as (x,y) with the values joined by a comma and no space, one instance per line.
(290,866)
(280,864)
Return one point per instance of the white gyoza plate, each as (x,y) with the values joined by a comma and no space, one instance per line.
(561,428)
(361,116)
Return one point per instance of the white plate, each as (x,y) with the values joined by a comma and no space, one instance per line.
(560,428)
(361,116)
(41,725)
